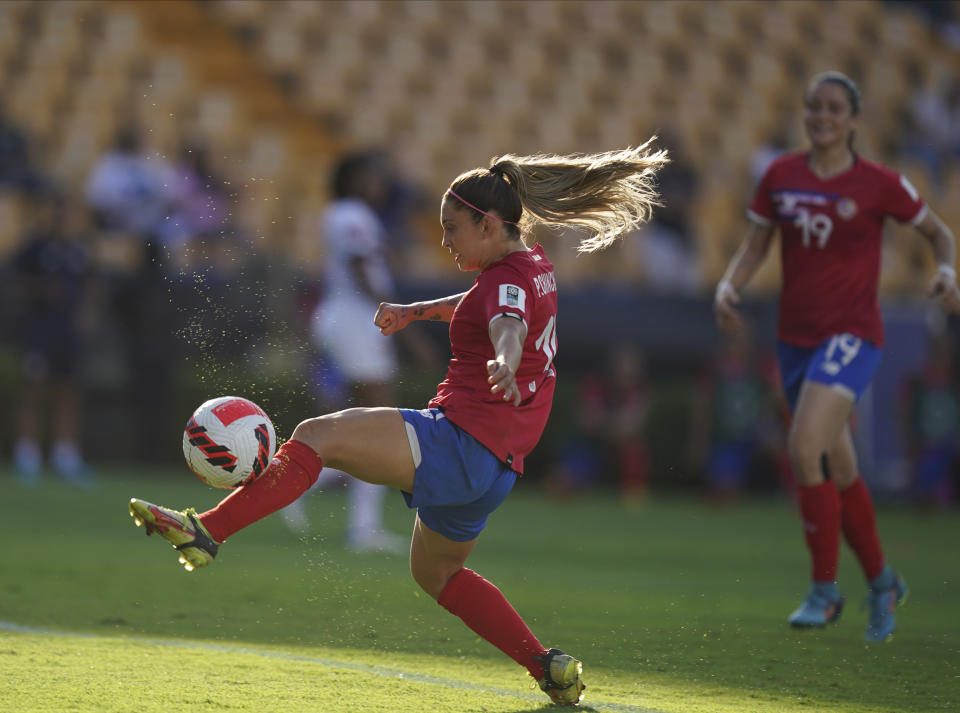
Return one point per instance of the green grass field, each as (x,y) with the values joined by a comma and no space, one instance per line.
(675,608)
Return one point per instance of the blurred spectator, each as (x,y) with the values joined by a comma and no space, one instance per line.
(52,272)
(403,200)
(360,363)
(669,254)
(129,190)
(199,208)
(130,194)
(613,412)
(933,133)
(931,409)
(16,169)
(736,425)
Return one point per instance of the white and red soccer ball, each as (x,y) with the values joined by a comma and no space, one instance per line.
(227,440)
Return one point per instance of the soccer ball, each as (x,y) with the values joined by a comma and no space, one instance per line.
(228,440)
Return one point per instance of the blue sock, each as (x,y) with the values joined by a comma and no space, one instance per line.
(884,581)
(826,590)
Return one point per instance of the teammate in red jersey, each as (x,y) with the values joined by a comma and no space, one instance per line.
(829,205)
(457,460)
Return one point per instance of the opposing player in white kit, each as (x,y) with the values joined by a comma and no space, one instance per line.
(356,278)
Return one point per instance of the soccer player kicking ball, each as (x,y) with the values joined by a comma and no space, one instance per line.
(458,459)
(829,205)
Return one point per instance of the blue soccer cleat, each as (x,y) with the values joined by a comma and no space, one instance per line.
(822,606)
(887,591)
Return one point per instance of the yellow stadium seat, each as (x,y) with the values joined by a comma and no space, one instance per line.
(282,46)
(239,12)
(720,24)
(601,18)
(84,138)
(169,79)
(663,18)
(33,103)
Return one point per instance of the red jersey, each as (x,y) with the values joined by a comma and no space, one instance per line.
(830,239)
(521,286)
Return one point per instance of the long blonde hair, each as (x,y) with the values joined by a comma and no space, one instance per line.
(607,195)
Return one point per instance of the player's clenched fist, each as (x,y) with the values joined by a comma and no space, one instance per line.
(391,318)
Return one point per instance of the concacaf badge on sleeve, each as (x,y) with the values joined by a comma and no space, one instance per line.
(513,296)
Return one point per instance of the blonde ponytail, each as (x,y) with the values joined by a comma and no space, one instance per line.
(607,195)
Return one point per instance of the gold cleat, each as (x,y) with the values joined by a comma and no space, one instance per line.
(180,528)
(561,678)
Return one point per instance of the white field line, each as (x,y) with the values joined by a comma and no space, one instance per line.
(382,671)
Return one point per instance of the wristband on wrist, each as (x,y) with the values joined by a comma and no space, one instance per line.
(947,271)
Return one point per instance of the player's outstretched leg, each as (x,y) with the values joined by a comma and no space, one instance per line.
(887,591)
(181,528)
(823,605)
(561,677)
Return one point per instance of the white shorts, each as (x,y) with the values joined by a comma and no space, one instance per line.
(343,329)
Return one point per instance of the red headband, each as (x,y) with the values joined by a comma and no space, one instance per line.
(480,210)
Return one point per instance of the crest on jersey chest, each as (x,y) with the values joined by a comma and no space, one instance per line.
(846,208)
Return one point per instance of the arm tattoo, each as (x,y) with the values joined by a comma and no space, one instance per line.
(436,310)
(422,312)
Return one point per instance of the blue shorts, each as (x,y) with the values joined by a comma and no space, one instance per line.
(458,481)
(842,362)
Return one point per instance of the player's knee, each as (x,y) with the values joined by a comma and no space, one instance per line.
(805,455)
(427,577)
(433,574)
(318,432)
(843,468)
(308,431)
(329,435)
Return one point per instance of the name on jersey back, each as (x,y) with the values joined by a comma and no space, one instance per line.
(545,283)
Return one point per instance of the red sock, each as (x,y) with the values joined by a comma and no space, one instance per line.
(487,612)
(294,468)
(820,510)
(860,527)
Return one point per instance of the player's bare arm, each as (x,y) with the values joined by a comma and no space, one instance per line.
(507,335)
(941,239)
(749,256)
(393,317)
